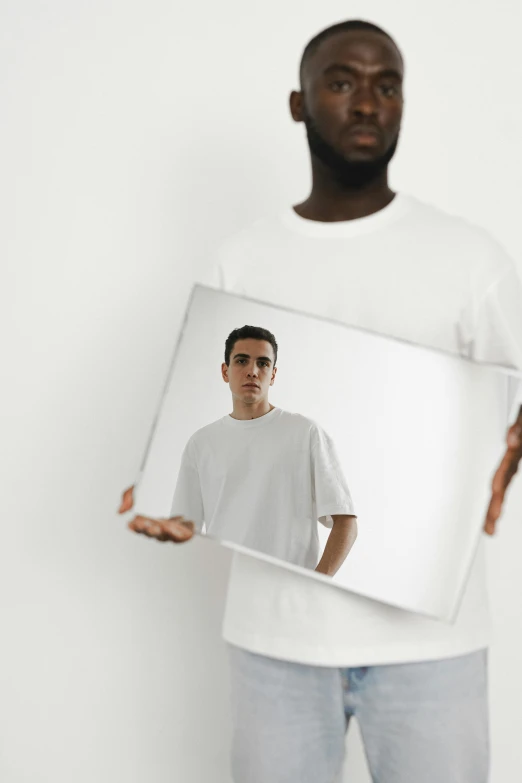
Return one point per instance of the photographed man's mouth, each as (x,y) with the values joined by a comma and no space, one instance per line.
(250,386)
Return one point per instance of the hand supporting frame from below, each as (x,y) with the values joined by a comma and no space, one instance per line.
(175,529)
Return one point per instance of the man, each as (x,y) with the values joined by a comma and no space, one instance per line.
(358,252)
(261,477)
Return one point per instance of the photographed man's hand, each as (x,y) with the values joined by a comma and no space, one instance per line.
(175,529)
(505,472)
(127,500)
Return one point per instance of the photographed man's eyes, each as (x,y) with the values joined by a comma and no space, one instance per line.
(260,363)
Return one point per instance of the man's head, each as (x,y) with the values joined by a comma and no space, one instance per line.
(250,363)
(351,100)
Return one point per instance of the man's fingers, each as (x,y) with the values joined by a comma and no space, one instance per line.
(127,501)
(489,527)
(504,474)
(495,507)
(175,529)
(514,437)
(153,529)
(501,481)
(506,470)
(178,530)
(145,525)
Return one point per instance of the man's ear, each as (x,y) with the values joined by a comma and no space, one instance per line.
(272,379)
(224,372)
(297,105)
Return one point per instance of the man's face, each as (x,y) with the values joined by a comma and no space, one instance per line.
(351,99)
(251,371)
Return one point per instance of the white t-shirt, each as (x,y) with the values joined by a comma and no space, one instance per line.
(409,271)
(263,483)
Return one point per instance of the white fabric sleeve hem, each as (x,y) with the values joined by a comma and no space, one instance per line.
(325,518)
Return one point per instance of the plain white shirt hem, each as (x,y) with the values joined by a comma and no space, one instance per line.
(374,655)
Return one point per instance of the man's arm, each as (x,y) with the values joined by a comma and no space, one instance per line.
(340,541)
(498,340)
(504,473)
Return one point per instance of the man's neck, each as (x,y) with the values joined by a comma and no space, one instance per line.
(244,412)
(331,201)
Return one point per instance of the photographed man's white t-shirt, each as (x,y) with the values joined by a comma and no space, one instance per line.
(263,483)
(412,272)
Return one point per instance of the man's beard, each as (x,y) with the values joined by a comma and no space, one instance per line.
(348,173)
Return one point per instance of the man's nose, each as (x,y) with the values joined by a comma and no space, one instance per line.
(364,103)
(253,370)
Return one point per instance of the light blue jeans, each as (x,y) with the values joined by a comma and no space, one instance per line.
(420,722)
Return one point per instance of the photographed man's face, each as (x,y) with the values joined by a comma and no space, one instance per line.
(351,100)
(251,371)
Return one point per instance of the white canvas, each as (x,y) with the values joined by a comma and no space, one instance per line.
(418,432)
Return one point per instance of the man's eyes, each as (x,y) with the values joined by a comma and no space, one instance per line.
(344,85)
(341,85)
(262,364)
(389,90)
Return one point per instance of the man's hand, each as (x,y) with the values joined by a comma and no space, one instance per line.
(505,472)
(127,500)
(175,529)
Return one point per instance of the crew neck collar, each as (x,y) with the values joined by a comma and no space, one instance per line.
(260,421)
(399,205)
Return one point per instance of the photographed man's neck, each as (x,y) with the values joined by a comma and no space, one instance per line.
(331,201)
(244,411)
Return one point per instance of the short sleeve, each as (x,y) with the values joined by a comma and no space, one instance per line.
(330,489)
(188,501)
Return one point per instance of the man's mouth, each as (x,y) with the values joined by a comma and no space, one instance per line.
(364,130)
(367,134)
(250,386)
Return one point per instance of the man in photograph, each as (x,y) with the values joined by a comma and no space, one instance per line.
(261,477)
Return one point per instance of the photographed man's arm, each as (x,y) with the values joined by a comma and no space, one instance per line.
(340,541)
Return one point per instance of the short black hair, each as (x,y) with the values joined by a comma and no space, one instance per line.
(342,27)
(247,333)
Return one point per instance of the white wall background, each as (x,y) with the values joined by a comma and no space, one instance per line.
(135,135)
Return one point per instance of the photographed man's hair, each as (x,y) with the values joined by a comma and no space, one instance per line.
(342,27)
(249,333)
